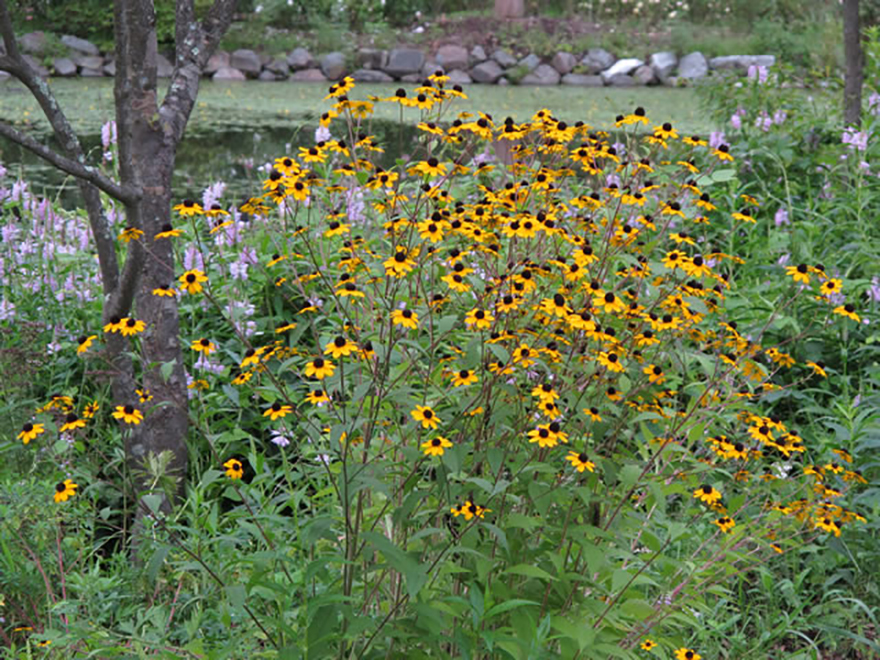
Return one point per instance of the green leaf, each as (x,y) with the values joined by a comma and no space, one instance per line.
(528,570)
(508,605)
(415,573)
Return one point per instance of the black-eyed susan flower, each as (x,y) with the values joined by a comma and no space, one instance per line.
(429,168)
(128,415)
(203,345)
(30,431)
(479,318)
(649,644)
(71,422)
(654,373)
(64,490)
(84,343)
(464,377)
(277,411)
(144,396)
(399,265)
(848,311)
(828,525)
(436,446)
(469,510)
(167,231)
(340,347)
(580,461)
(234,468)
(543,436)
(130,234)
(725,524)
(91,410)
(427,417)
(129,327)
(405,318)
(722,153)
(319,369)
(164,291)
(114,324)
(188,208)
(686,653)
(317,397)
(818,368)
(707,494)
(799,273)
(610,361)
(191,281)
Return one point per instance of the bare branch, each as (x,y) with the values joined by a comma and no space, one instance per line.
(124,194)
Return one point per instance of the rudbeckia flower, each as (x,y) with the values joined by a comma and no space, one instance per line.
(580,461)
(277,410)
(429,168)
(464,377)
(84,343)
(234,468)
(707,494)
(649,644)
(205,346)
(191,281)
(426,416)
(406,318)
(687,654)
(113,325)
(71,422)
(340,347)
(167,232)
(725,524)
(144,396)
(129,327)
(317,397)
(30,431)
(128,415)
(436,446)
(189,208)
(479,318)
(319,368)
(65,490)
(469,510)
(848,311)
(130,234)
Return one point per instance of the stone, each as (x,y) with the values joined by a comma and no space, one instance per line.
(267,76)
(80,45)
(620,80)
(693,66)
(544,74)
(404,61)
(216,62)
(333,65)
(530,61)
(487,72)
(478,54)
(563,62)
(32,43)
(36,65)
(300,58)
(92,73)
(246,61)
(279,67)
(504,58)
(597,59)
(228,73)
(371,58)
(88,61)
(411,78)
(452,57)
(4,76)
(582,80)
(459,77)
(644,75)
(110,68)
(64,67)
(503,82)
(371,76)
(622,68)
(308,75)
(663,65)
(741,63)
(164,68)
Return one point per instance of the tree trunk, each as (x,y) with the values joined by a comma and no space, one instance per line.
(852,48)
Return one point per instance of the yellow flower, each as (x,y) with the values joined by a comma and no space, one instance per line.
(610,361)
(725,524)
(277,410)
(436,446)
(234,468)
(430,167)
(426,416)
(610,303)
(406,318)
(164,291)
(128,415)
(848,311)
(30,431)
(340,347)
(464,377)
(479,318)
(319,368)
(65,490)
(84,343)
(188,208)
(469,510)
(649,644)
(687,654)
(707,494)
(191,281)
(71,422)
(317,397)
(129,327)
(205,346)
(580,461)
(130,234)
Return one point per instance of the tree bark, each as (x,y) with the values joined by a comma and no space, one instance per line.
(854,58)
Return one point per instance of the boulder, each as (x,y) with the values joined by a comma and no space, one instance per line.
(80,45)
(36,65)
(452,57)
(164,68)
(267,76)
(581,80)
(530,61)
(217,61)
(404,61)
(371,58)
(563,62)
(663,65)
(487,72)
(620,80)
(32,43)
(4,76)
(300,58)
(308,75)
(64,67)
(622,68)
(478,54)
(503,82)
(411,78)
(371,76)
(693,66)
(246,61)
(333,65)
(741,63)
(92,73)
(228,73)
(597,59)
(544,74)
(504,58)
(644,75)
(110,68)
(459,77)
(279,67)
(89,61)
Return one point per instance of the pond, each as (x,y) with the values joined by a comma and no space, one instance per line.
(238,125)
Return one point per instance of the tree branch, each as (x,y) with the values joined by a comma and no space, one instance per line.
(87,173)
